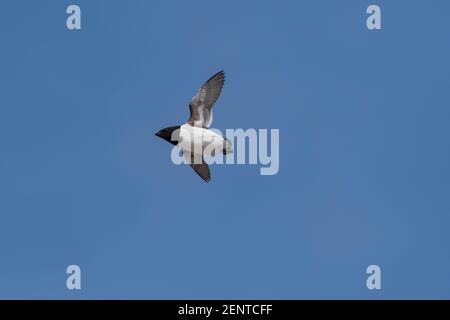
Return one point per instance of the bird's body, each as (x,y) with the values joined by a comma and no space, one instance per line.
(196,140)
(194,136)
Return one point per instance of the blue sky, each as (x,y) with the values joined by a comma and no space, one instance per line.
(364,151)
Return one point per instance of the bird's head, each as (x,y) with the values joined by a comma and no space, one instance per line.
(170,134)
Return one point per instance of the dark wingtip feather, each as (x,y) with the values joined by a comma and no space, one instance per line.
(220,74)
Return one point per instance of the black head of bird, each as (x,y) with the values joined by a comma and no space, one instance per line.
(170,134)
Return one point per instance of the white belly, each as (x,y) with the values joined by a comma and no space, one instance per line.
(195,139)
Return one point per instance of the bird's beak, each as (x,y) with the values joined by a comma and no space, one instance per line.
(158,134)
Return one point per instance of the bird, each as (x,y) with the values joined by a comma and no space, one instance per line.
(194,137)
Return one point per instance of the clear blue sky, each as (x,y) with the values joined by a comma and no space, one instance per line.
(364,126)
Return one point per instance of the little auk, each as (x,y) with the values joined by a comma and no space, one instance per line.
(194,136)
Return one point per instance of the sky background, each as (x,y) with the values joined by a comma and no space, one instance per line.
(364,150)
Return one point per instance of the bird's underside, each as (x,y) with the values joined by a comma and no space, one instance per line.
(199,142)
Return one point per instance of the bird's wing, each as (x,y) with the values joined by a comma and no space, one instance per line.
(201,104)
(202,168)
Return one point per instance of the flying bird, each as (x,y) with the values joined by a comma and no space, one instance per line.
(194,136)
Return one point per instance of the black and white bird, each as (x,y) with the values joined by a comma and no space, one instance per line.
(194,136)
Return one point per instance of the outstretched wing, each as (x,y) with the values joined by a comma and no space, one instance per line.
(201,168)
(201,104)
